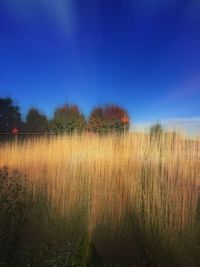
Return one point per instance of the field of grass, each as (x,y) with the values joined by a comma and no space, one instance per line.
(129,200)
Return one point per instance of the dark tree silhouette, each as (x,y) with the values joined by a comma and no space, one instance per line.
(111,118)
(68,119)
(35,122)
(10,115)
(156,131)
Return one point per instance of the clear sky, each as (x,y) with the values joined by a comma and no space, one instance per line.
(142,54)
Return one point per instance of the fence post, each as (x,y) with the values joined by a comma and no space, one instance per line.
(15,132)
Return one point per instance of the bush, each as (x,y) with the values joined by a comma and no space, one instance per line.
(12,213)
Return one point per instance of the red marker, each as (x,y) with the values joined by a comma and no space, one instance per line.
(15,131)
(124,119)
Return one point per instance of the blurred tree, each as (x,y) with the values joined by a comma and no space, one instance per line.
(68,119)
(97,121)
(117,118)
(111,118)
(156,131)
(10,115)
(35,122)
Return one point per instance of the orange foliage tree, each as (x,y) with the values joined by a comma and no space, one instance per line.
(110,118)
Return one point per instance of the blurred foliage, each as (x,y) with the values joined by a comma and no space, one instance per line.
(10,116)
(35,122)
(13,204)
(111,118)
(68,119)
(156,130)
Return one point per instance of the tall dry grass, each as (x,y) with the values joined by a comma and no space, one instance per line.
(140,195)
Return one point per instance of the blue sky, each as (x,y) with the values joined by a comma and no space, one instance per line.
(143,55)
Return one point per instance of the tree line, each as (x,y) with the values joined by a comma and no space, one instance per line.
(66,119)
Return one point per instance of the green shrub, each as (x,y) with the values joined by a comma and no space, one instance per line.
(12,213)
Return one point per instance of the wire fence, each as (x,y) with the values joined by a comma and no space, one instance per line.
(22,136)
(188,126)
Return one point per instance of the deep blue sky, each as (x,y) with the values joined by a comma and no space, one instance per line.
(142,54)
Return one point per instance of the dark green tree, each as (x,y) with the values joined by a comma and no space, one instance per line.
(36,122)
(68,119)
(10,115)
(156,131)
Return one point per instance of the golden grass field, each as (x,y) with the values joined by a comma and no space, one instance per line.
(150,186)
